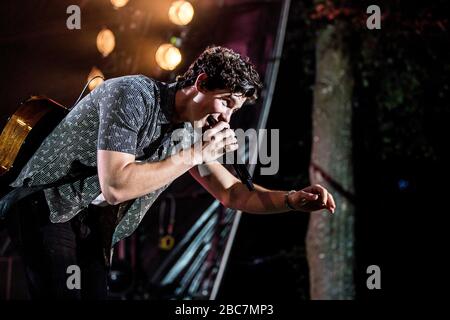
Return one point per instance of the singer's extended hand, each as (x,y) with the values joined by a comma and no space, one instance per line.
(312,198)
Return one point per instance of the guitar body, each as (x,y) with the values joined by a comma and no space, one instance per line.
(24,132)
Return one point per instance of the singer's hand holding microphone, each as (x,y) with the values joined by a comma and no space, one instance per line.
(217,140)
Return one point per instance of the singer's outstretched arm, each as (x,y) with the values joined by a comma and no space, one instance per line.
(232,193)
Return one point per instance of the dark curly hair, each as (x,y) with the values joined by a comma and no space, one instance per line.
(225,69)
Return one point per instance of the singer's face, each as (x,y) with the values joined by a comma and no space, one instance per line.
(221,104)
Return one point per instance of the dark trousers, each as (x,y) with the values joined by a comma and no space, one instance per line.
(48,249)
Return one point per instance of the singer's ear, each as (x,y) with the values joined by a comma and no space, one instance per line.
(200,82)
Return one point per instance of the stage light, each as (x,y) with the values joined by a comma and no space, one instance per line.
(97,81)
(106,42)
(168,56)
(181,12)
(119,3)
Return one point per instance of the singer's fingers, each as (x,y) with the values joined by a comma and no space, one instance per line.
(322,192)
(231,147)
(209,135)
(309,196)
(225,142)
(224,134)
(331,203)
(230,140)
(213,132)
(221,125)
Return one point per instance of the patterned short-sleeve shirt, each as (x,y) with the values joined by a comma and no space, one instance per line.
(129,114)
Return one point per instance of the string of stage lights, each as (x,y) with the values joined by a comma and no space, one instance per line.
(168,55)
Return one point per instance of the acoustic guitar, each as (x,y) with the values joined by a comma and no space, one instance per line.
(24,132)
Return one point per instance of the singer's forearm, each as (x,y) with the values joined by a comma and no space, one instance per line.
(232,193)
(121,178)
(261,200)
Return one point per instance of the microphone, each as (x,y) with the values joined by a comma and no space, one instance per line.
(241,169)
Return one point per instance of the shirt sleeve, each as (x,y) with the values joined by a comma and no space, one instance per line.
(121,115)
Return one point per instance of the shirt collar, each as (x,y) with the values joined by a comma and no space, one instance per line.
(167,104)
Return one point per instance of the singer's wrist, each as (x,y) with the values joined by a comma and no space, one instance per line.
(287,201)
(187,156)
(194,155)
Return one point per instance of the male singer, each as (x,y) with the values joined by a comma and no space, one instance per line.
(123,129)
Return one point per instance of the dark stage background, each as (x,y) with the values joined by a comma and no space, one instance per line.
(400,111)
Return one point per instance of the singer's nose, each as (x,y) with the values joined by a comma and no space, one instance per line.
(225,117)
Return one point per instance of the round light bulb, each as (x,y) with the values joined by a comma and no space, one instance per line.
(168,56)
(181,12)
(119,3)
(97,81)
(106,42)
